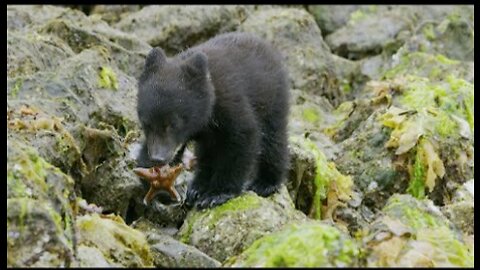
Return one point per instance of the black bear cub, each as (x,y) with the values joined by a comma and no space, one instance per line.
(230,96)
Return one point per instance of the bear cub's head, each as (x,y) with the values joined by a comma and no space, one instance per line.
(174,102)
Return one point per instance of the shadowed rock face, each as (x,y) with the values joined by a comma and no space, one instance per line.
(381,139)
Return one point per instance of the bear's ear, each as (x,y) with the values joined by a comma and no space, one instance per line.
(196,65)
(155,59)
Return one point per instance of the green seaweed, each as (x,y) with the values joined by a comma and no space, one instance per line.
(416,186)
(325,175)
(108,78)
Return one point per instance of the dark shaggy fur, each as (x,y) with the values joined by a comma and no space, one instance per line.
(229,95)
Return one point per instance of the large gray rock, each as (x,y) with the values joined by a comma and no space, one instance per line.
(307,57)
(449,34)
(461,210)
(331,17)
(88,105)
(175,28)
(50,25)
(374,29)
(169,252)
(370,34)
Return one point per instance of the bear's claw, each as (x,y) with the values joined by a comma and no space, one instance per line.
(263,190)
(208,200)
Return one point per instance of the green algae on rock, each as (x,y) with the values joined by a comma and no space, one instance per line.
(414,233)
(36,235)
(433,66)
(220,232)
(40,198)
(311,244)
(329,185)
(119,244)
(107,78)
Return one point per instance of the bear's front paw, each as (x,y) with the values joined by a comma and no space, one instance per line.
(192,195)
(211,200)
(263,190)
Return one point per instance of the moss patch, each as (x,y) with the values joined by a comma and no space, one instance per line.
(308,245)
(107,78)
(244,202)
(412,212)
(311,115)
(434,67)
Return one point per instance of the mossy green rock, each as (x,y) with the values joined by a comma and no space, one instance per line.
(432,66)
(40,217)
(414,233)
(220,232)
(119,244)
(36,235)
(310,244)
